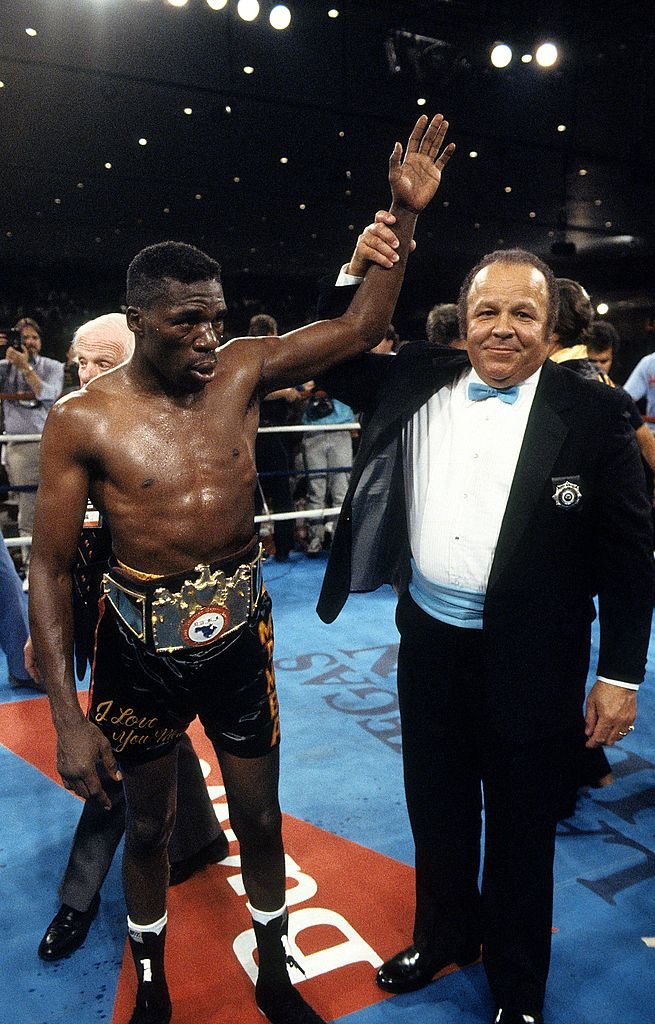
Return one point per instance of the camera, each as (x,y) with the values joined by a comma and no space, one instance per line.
(13,337)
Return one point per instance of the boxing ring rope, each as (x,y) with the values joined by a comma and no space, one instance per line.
(265,517)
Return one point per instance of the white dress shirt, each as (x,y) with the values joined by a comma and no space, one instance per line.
(460,458)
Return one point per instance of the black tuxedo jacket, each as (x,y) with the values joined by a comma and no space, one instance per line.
(552,558)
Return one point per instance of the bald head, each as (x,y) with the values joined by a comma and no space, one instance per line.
(101,344)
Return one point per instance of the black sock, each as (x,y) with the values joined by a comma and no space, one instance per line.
(153,1004)
(276,996)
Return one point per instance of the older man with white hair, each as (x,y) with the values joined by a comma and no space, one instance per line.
(101,344)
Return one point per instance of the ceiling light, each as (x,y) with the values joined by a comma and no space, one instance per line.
(284,159)
(228,110)
(58,202)
(31,31)
(143,142)
(80,184)
(532,215)
(602,308)
(583,172)
(473,154)
(216,5)
(342,135)
(302,206)
(508,188)
(248,9)
(2,85)
(236,180)
(108,166)
(598,202)
(280,17)
(526,58)
(608,223)
(421,101)
(500,55)
(178,3)
(546,55)
(248,70)
(198,195)
(333,13)
(561,127)
(188,110)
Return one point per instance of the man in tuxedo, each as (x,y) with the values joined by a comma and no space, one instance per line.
(499,493)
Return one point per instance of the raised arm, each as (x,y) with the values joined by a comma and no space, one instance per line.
(414,181)
(61,502)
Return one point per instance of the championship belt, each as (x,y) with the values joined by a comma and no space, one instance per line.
(187,614)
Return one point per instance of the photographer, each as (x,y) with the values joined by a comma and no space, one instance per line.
(36,382)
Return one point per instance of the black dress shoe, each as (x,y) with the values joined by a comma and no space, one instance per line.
(412,968)
(67,931)
(214,852)
(512,1017)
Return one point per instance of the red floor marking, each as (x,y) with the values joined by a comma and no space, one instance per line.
(373,893)
(26,729)
(208,984)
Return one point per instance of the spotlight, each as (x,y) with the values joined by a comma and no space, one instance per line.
(178,3)
(280,17)
(248,9)
(602,308)
(546,55)
(216,5)
(501,55)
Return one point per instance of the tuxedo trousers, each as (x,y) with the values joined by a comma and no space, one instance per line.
(99,832)
(456,763)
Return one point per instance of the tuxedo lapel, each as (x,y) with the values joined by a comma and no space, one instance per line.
(545,434)
(419,376)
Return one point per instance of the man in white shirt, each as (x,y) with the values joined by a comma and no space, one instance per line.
(499,493)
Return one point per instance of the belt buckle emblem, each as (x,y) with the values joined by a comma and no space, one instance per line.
(205,625)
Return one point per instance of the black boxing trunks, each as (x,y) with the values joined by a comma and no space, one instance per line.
(170,648)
